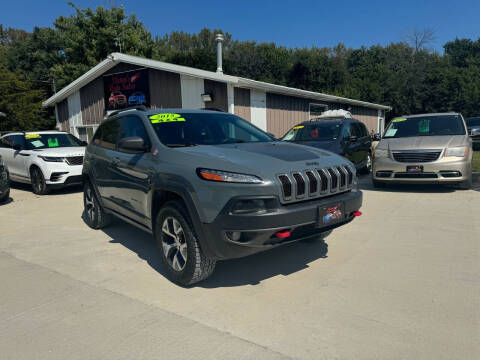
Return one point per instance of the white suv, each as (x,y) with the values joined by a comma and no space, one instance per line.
(46,159)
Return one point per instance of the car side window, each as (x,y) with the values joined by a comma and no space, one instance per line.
(347,131)
(363,130)
(18,140)
(132,126)
(357,130)
(107,134)
(6,142)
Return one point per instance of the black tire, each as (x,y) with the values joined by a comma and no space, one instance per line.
(5,196)
(39,186)
(94,214)
(185,267)
(378,184)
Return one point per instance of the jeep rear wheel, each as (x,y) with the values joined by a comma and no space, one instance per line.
(95,216)
(180,252)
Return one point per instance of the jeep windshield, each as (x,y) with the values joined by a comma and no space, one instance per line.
(190,129)
(46,141)
(319,131)
(435,125)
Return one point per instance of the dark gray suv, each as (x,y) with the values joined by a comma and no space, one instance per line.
(211,186)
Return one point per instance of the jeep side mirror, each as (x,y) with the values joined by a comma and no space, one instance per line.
(475,132)
(376,137)
(17,147)
(132,145)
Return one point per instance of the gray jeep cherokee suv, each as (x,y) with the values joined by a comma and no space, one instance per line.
(211,186)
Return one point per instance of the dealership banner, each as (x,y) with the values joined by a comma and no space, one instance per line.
(126,89)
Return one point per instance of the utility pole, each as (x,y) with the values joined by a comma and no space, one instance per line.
(118,42)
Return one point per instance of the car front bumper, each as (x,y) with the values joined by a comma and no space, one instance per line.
(259,232)
(443,170)
(62,174)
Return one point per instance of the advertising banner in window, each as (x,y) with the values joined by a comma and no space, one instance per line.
(126,89)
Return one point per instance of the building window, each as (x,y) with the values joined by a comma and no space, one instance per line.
(317,109)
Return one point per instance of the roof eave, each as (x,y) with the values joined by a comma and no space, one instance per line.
(83,80)
(285,90)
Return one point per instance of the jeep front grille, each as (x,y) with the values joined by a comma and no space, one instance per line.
(313,183)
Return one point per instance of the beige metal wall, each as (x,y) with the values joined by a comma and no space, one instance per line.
(62,108)
(92,102)
(283,112)
(242,103)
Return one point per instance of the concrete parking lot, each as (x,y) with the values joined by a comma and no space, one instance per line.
(400,282)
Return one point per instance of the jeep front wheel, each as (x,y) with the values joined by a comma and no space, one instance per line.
(180,252)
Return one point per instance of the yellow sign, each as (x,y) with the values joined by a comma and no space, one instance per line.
(399,119)
(32,136)
(166,117)
(298,127)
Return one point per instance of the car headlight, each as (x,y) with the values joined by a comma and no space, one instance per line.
(51,158)
(458,151)
(381,153)
(226,176)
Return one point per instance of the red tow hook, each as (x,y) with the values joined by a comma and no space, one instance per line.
(356,213)
(283,234)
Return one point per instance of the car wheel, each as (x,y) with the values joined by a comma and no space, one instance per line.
(378,184)
(180,252)
(95,216)
(39,186)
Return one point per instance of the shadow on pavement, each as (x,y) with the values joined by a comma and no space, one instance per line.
(250,270)
(59,191)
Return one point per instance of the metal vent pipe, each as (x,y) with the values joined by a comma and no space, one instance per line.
(219,39)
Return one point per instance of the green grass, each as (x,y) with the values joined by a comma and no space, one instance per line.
(476,161)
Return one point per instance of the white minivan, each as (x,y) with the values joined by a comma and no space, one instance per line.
(46,159)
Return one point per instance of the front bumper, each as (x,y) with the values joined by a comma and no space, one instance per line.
(443,170)
(62,174)
(258,232)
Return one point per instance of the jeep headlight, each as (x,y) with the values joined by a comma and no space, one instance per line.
(381,153)
(226,176)
(458,151)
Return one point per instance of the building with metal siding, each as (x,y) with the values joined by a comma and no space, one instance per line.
(274,108)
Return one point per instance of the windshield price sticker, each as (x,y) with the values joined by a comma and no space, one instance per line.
(391,132)
(32,136)
(52,142)
(164,118)
(298,127)
(399,120)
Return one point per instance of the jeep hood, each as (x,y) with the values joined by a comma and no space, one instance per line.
(423,142)
(263,158)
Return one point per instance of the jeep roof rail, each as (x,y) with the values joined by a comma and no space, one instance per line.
(136,107)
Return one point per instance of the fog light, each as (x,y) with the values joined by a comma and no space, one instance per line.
(234,235)
(249,206)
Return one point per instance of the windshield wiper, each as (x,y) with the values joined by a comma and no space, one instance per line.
(181,145)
